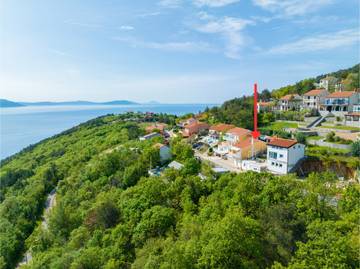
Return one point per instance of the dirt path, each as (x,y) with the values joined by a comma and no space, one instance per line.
(49,204)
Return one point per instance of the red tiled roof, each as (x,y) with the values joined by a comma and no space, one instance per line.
(222,127)
(157,126)
(288,97)
(266,103)
(353,114)
(197,125)
(283,143)
(315,92)
(247,143)
(340,94)
(238,131)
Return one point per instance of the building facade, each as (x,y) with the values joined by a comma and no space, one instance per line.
(341,102)
(290,102)
(283,155)
(314,98)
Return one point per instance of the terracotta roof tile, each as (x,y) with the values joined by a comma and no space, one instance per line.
(315,92)
(283,143)
(340,94)
(239,131)
(289,97)
(222,127)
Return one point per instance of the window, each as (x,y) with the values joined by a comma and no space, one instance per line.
(281,156)
(272,163)
(280,165)
(272,155)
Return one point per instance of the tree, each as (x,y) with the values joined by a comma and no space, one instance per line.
(301,138)
(104,215)
(191,167)
(355,148)
(232,243)
(154,223)
(326,247)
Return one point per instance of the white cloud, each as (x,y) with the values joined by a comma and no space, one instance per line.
(83,24)
(187,46)
(170,3)
(230,29)
(292,7)
(214,3)
(319,42)
(126,27)
(148,14)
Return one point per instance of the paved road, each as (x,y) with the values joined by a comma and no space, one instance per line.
(219,162)
(49,204)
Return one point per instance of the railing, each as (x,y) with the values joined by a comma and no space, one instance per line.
(337,102)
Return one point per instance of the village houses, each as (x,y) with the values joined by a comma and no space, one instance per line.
(314,98)
(290,102)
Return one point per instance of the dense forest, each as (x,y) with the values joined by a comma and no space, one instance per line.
(110,213)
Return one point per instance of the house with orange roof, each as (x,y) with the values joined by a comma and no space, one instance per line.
(236,134)
(238,145)
(341,102)
(246,149)
(195,128)
(221,128)
(155,127)
(265,106)
(314,98)
(283,155)
(290,102)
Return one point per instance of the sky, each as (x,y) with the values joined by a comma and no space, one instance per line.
(170,51)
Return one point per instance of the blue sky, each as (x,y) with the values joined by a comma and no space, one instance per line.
(174,51)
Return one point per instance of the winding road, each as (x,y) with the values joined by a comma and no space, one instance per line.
(49,204)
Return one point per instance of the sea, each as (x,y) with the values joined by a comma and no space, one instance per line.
(23,126)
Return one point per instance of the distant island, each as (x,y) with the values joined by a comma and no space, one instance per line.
(8,103)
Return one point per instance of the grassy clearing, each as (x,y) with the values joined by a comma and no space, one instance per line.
(342,127)
(279,125)
(315,137)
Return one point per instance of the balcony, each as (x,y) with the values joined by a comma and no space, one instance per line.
(331,102)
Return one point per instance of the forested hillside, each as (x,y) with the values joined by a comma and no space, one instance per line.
(110,214)
(349,78)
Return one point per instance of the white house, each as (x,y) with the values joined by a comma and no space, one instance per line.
(290,102)
(283,155)
(312,99)
(265,106)
(327,83)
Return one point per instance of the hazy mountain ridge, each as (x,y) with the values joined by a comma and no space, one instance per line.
(8,103)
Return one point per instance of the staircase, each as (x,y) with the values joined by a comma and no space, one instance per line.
(317,121)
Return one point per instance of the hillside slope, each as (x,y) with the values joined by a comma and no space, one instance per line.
(349,77)
(110,214)
(7,103)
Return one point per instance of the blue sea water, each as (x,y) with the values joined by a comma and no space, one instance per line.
(22,126)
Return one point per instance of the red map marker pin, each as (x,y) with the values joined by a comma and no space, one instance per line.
(255,134)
